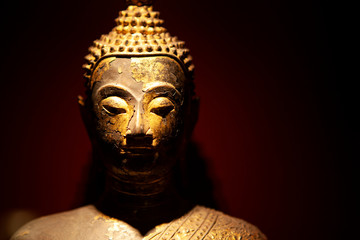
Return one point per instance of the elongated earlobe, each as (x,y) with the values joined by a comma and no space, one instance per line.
(194,111)
(87,117)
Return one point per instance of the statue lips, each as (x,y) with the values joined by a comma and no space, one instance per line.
(139,151)
(139,146)
(139,158)
(139,141)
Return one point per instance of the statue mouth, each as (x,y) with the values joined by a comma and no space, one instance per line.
(138,159)
(139,151)
(139,145)
(139,141)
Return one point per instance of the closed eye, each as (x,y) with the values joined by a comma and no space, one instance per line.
(114,110)
(162,111)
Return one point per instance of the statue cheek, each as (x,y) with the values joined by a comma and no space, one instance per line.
(163,128)
(113,128)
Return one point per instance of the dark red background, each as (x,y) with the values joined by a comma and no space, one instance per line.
(275,124)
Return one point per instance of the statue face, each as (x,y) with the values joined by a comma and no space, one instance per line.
(138,104)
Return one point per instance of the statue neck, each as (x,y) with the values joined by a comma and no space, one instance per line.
(143,205)
(138,187)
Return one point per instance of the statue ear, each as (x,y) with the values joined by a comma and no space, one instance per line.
(86,116)
(194,112)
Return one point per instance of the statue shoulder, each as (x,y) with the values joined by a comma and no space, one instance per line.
(208,224)
(227,226)
(48,227)
(75,224)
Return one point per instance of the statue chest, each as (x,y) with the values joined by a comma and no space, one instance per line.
(87,223)
(199,223)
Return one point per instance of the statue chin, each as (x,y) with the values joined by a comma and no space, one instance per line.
(138,163)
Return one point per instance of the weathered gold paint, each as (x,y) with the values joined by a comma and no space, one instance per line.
(157,97)
(161,114)
(101,68)
(114,120)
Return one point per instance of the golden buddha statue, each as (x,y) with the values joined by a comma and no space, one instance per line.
(140,109)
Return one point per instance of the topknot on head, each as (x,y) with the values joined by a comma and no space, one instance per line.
(139,32)
(139,3)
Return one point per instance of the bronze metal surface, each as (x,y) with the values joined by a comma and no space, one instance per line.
(140,110)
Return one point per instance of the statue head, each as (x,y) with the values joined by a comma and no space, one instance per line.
(140,93)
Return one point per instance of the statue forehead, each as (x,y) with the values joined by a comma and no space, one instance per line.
(138,72)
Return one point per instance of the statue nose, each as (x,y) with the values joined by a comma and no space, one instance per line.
(136,135)
(136,124)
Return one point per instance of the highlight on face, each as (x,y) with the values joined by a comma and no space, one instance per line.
(138,101)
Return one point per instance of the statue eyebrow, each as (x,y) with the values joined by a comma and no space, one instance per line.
(114,91)
(165,90)
(161,86)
